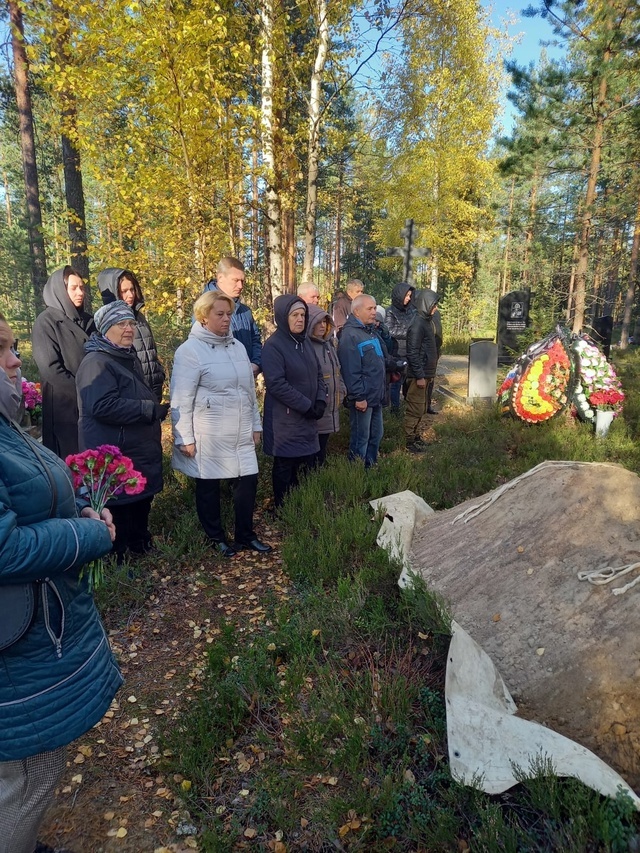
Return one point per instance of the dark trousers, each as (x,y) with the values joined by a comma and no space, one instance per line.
(285,474)
(132,527)
(244,498)
(321,457)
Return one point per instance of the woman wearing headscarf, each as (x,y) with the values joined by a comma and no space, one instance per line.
(115,283)
(216,422)
(296,396)
(117,407)
(59,335)
(58,673)
(320,336)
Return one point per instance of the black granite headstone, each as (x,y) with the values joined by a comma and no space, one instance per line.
(513,320)
(601,330)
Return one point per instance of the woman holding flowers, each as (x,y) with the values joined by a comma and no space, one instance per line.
(117,407)
(216,423)
(58,675)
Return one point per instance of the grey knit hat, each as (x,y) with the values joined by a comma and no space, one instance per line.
(109,315)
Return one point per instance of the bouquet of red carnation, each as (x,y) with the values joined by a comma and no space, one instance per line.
(607,400)
(105,472)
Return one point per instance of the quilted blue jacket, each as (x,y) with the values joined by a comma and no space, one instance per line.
(58,680)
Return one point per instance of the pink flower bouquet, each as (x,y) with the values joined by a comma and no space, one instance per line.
(105,472)
(32,396)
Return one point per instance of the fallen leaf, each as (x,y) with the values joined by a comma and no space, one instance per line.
(121,832)
(409,777)
(250,832)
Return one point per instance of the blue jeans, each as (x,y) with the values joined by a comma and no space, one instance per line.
(394,393)
(366,434)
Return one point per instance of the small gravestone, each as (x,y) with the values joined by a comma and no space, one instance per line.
(483,372)
(601,330)
(513,320)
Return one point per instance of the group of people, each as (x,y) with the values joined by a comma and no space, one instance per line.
(102,383)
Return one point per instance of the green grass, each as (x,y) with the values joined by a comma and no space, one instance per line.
(327,729)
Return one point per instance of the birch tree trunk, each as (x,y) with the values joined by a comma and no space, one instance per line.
(28,150)
(274,217)
(315,104)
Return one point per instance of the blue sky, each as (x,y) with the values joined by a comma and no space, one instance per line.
(527,33)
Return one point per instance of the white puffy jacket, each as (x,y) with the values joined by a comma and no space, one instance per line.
(213,404)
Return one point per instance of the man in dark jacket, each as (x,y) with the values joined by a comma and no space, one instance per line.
(342,305)
(363,370)
(230,281)
(397,317)
(114,283)
(422,360)
(59,335)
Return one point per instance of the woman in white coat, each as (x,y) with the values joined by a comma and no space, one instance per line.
(216,422)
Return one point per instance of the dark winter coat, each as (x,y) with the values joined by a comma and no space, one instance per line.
(244,328)
(328,360)
(422,350)
(341,309)
(58,680)
(293,380)
(398,316)
(362,362)
(118,407)
(437,328)
(59,335)
(143,341)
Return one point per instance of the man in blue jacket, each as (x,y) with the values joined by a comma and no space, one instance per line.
(363,369)
(230,281)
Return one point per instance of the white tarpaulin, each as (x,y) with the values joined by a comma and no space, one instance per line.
(523,742)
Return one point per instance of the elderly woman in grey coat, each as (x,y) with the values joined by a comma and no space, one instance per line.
(216,422)
(320,335)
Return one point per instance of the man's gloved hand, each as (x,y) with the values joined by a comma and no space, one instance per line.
(162,410)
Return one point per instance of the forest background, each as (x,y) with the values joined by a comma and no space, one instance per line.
(159,135)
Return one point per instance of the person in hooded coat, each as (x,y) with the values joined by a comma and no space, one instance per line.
(397,317)
(320,335)
(437,327)
(117,407)
(59,675)
(59,335)
(422,361)
(115,283)
(296,396)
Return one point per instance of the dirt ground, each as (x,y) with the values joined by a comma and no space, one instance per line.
(113,797)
